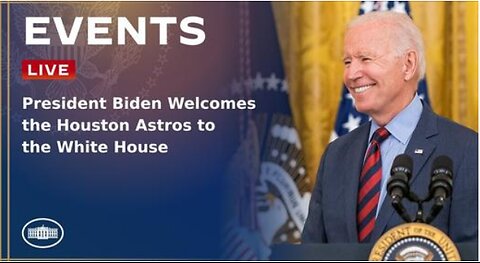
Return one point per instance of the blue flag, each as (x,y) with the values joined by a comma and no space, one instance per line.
(348,118)
(269,187)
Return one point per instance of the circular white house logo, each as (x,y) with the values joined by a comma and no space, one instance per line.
(42,233)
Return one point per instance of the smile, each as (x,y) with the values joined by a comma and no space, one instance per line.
(362,89)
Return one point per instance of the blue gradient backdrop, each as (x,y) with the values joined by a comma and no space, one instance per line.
(148,206)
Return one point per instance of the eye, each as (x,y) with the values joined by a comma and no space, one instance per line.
(346,63)
(366,59)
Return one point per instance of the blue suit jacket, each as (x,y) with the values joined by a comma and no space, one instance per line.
(332,211)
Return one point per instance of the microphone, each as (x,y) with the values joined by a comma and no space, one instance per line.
(400,174)
(441,184)
(397,185)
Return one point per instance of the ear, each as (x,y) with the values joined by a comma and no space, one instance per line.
(410,64)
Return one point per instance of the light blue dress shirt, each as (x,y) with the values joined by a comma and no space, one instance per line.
(401,129)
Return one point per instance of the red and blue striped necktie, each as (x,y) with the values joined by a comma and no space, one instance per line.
(369,187)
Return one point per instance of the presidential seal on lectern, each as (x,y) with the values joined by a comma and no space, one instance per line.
(414,242)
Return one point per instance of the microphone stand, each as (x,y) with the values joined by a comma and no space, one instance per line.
(436,208)
(420,215)
(397,204)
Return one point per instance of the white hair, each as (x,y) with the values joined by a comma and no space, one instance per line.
(407,34)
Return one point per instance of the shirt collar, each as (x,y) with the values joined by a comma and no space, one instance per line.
(402,126)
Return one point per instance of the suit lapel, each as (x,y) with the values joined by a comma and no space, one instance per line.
(422,144)
(351,173)
(421,141)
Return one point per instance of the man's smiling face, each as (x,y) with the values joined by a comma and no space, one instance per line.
(374,70)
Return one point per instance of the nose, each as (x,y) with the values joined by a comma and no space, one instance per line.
(353,72)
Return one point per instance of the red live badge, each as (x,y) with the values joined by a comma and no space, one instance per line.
(48,69)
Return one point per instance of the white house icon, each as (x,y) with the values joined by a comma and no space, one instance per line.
(42,233)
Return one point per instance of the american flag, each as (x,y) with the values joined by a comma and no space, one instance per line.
(348,118)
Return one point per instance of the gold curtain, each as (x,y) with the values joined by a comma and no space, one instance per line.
(450,31)
(311,38)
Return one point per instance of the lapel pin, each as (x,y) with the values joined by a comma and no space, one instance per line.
(418,151)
